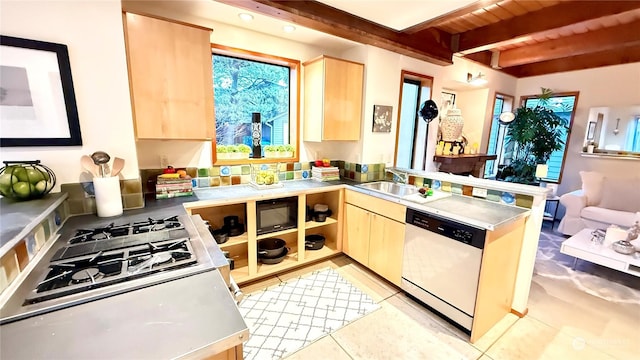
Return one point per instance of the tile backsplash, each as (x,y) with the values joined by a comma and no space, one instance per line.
(241,174)
(82,200)
(227,175)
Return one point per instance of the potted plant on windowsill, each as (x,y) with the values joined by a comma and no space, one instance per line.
(244,151)
(222,152)
(288,151)
(534,134)
(270,151)
(281,151)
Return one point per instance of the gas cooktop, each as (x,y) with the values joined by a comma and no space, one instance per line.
(107,260)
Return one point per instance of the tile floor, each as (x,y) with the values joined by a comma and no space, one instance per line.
(563,323)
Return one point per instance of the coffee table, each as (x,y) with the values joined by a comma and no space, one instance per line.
(581,247)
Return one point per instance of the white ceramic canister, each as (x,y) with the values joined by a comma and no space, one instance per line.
(108,198)
(451,125)
(613,234)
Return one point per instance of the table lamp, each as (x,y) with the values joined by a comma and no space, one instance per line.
(541,171)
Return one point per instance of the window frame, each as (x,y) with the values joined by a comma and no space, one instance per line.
(294,103)
(507,106)
(523,100)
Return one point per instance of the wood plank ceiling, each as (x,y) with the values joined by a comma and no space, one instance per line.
(521,38)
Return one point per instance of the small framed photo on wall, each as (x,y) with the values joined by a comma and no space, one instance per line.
(382,116)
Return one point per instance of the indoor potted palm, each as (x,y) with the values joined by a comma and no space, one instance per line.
(533,135)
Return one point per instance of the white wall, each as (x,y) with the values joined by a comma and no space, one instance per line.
(93,32)
(473,104)
(606,86)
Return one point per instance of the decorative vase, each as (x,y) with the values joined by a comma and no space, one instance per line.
(451,125)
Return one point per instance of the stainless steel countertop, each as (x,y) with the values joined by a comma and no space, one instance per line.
(468,210)
(18,218)
(168,320)
(163,321)
(472,211)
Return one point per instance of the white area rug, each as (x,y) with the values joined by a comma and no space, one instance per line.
(286,317)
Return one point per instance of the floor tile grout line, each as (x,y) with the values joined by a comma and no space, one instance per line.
(496,340)
(340,345)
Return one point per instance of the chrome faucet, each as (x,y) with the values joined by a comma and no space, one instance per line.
(402,177)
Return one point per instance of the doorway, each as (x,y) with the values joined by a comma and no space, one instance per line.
(412,135)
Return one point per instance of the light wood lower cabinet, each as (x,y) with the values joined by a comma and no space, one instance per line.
(386,247)
(243,249)
(357,233)
(374,240)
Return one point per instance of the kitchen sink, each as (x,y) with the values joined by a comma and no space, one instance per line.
(390,188)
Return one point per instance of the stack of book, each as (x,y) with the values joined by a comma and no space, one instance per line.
(325,173)
(168,186)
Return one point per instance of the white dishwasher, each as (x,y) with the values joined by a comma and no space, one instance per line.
(441,265)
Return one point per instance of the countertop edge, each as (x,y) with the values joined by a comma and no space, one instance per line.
(34,222)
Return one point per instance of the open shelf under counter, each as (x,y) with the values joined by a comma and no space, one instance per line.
(235,240)
(314,224)
(277,233)
(266,269)
(240,272)
(325,252)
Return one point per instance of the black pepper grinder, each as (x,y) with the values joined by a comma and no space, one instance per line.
(256,134)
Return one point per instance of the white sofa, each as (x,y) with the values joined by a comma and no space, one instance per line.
(602,201)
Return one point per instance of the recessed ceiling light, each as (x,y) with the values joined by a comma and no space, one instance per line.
(245,17)
(289,28)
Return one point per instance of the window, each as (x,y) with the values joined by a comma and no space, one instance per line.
(563,105)
(245,83)
(496,146)
(632,142)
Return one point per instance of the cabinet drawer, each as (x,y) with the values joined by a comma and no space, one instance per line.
(379,206)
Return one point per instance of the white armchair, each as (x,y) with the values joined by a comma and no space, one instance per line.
(601,202)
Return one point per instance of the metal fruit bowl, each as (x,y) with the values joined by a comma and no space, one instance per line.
(25,180)
(623,247)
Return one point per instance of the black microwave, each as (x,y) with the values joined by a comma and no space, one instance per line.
(277,214)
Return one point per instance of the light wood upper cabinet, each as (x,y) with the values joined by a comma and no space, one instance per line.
(170,76)
(332,99)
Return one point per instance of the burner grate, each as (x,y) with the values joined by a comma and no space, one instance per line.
(112,231)
(102,268)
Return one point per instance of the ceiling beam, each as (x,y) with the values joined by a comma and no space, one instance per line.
(553,17)
(624,55)
(481,4)
(431,45)
(592,41)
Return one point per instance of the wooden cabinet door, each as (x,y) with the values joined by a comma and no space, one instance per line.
(313,106)
(343,82)
(355,241)
(170,74)
(386,243)
(332,99)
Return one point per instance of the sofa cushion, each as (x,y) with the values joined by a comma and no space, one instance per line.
(620,194)
(608,216)
(592,186)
